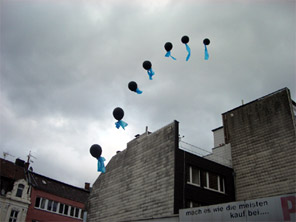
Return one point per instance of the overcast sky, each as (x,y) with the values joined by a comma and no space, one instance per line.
(65,65)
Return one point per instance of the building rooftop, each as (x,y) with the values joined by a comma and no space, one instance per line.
(16,171)
(11,170)
(58,188)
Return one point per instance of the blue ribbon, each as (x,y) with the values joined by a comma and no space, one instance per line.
(189,52)
(138,91)
(150,73)
(168,54)
(101,165)
(206,53)
(120,123)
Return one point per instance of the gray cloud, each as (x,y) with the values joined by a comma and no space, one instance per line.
(66,65)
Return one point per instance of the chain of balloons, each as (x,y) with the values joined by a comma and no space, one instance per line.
(118,113)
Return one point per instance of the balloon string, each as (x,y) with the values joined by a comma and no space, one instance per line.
(138,91)
(168,54)
(206,53)
(120,123)
(150,73)
(189,52)
(101,165)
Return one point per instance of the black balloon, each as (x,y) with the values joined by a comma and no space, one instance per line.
(118,113)
(95,150)
(168,46)
(185,39)
(206,41)
(133,86)
(147,65)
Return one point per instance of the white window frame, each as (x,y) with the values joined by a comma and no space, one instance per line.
(68,213)
(20,190)
(207,185)
(13,215)
(191,177)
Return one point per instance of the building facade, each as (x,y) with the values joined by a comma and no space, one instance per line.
(52,200)
(253,157)
(15,191)
(31,197)
(262,137)
(153,178)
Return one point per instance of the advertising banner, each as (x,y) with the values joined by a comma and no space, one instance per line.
(278,208)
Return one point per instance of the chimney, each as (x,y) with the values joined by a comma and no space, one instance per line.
(87,186)
(20,162)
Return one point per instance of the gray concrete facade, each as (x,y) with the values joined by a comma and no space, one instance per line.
(263,146)
(139,181)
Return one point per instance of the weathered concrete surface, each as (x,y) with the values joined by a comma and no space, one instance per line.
(263,146)
(139,181)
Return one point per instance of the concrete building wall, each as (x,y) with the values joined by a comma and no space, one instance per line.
(139,181)
(221,154)
(218,137)
(263,144)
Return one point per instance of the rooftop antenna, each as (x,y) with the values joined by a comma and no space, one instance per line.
(6,154)
(29,158)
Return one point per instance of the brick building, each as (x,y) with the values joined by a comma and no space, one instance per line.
(31,197)
(52,200)
(152,179)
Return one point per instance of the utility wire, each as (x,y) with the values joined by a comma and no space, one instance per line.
(202,150)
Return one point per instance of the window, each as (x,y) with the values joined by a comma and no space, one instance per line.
(61,210)
(49,205)
(190,204)
(193,176)
(77,212)
(42,205)
(66,209)
(213,181)
(72,211)
(54,206)
(20,189)
(37,202)
(13,216)
(205,179)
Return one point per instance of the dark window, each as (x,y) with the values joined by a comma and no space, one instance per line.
(13,216)
(213,181)
(42,203)
(222,184)
(20,189)
(61,210)
(72,211)
(190,204)
(193,175)
(49,205)
(54,206)
(76,212)
(204,179)
(66,209)
(37,202)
